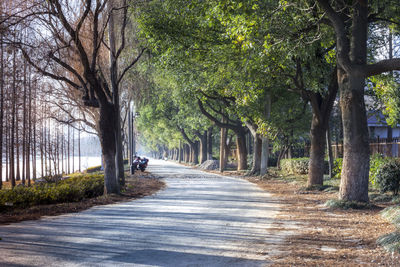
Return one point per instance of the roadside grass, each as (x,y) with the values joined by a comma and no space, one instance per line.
(73,189)
(136,186)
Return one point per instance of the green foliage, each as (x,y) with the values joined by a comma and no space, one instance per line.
(337,167)
(295,166)
(93,169)
(388,176)
(375,164)
(70,190)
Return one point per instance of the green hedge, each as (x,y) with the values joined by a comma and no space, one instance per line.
(70,190)
(295,165)
(378,166)
(93,169)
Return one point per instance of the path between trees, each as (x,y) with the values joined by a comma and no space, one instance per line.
(199,219)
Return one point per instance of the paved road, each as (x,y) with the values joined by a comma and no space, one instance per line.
(200,219)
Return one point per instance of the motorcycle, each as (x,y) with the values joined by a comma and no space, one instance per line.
(139,164)
(143,164)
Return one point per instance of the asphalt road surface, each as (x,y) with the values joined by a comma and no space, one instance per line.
(200,219)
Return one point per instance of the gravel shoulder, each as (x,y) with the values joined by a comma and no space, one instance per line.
(199,219)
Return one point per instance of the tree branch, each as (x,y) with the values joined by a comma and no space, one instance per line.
(382,66)
(130,65)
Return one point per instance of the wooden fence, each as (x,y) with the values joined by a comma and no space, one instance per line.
(384,146)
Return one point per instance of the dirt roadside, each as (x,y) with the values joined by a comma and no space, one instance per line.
(137,186)
(320,236)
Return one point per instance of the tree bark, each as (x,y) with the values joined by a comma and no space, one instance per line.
(317,152)
(329,149)
(203,145)
(209,143)
(264,155)
(1,108)
(195,152)
(355,170)
(265,141)
(240,131)
(180,152)
(242,151)
(257,143)
(108,147)
(115,90)
(12,139)
(222,152)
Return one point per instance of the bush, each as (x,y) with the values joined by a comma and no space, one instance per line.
(375,162)
(295,166)
(388,176)
(337,168)
(93,169)
(69,190)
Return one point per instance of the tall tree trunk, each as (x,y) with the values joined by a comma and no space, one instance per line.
(255,168)
(203,145)
(317,152)
(34,147)
(68,149)
(355,170)
(62,149)
(187,153)
(264,155)
(1,108)
(79,149)
(241,150)
(195,152)
(24,123)
(108,147)
(265,141)
(329,149)
(12,140)
(209,143)
(114,84)
(73,149)
(17,142)
(29,137)
(180,152)
(222,153)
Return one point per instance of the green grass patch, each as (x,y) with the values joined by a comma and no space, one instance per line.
(73,189)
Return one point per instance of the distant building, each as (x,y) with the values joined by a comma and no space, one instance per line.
(378,127)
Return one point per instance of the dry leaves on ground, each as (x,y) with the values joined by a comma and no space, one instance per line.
(326,237)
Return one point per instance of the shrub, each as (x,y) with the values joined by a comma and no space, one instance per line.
(295,166)
(388,176)
(69,190)
(337,168)
(93,169)
(375,163)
